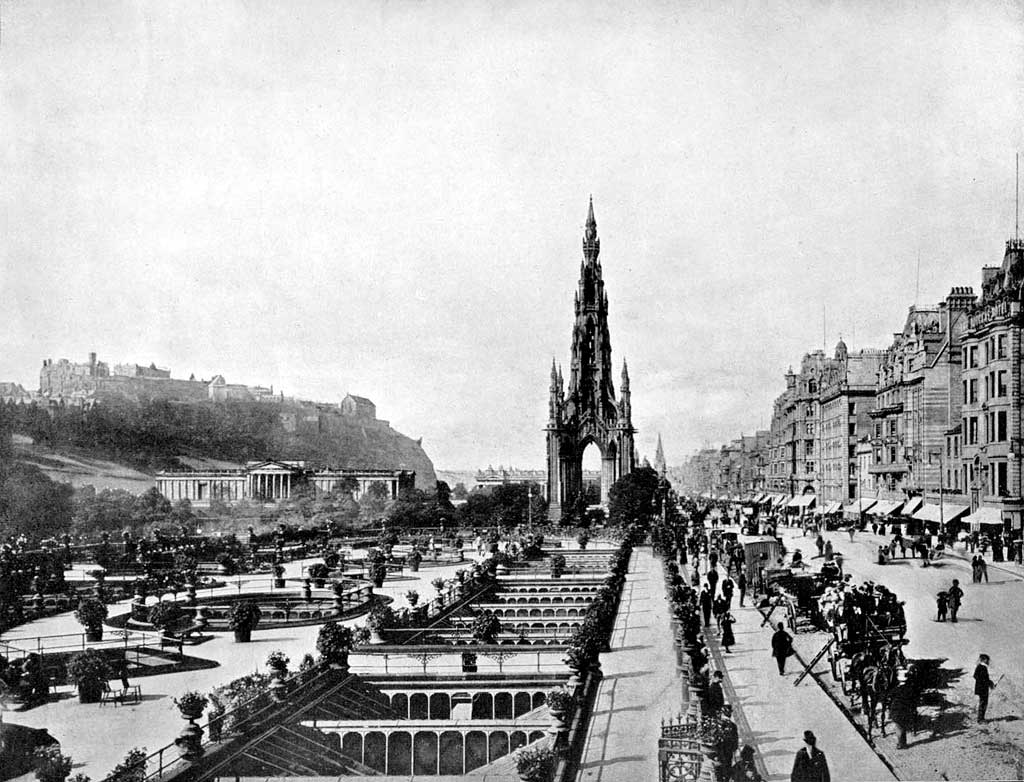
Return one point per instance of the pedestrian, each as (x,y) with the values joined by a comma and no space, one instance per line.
(712,578)
(719,607)
(716,693)
(728,587)
(745,769)
(852,529)
(956,596)
(782,647)
(810,764)
(820,543)
(741,583)
(941,604)
(982,569)
(829,551)
(983,684)
(975,570)
(729,738)
(728,639)
(705,601)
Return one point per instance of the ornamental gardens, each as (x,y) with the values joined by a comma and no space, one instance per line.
(310,651)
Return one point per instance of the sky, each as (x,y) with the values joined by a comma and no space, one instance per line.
(388,198)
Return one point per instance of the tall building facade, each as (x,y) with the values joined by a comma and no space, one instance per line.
(989,468)
(846,395)
(918,399)
(589,411)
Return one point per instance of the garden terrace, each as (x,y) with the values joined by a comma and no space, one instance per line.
(333,724)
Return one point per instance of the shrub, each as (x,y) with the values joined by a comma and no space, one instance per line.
(245,615)
(191,702)
(413,597)
(535,764)
(91,613)
(559,700)
(557,565)
(131,769)
(278,661)
(88,667)
(335,641)
(165,614)
(486,628)
(380,618)
(51,765)
(318,572)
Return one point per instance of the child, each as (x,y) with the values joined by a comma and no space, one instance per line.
(942,602)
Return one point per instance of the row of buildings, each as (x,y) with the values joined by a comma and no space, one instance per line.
(937,415)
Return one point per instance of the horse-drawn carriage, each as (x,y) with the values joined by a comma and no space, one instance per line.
(798,593)
(866,665)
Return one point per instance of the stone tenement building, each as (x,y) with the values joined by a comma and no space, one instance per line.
(918,399)
(589,413)
(988,470)
(847,390)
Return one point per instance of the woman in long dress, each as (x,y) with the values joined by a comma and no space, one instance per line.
(728,639)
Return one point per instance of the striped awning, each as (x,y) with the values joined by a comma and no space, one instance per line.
(911,506)
(802,501)
(884,507)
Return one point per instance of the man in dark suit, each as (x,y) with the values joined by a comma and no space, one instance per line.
(782,646)
(810,764)
(706,600)
(716,694)
(730,738)
(982,685)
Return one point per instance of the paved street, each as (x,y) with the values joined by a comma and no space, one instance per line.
(990,621)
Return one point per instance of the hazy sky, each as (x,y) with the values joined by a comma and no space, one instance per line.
(388,198)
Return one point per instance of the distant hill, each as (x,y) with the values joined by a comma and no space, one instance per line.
(124,440)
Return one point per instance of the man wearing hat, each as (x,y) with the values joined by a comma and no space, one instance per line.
(810,764)
(730,737)
(903,708)
(982,685)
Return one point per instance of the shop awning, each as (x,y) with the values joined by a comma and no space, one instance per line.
(783,500)
(884,507)
(801,501)
(832,507)
(911,506)
(858,507)
(759,499)
(945,514)
(987,516)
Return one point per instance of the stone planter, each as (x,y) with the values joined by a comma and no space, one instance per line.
(375,637)
(94,634)
(279,584)
(339,664)
(243,636)
(558,721)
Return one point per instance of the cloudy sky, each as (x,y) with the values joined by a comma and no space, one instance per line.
(388,198)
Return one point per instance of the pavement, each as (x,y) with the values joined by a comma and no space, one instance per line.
(777,713)
(641,686)
(98,737)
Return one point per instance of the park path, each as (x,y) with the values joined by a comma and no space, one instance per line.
(641,686)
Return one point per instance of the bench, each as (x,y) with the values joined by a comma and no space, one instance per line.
(110,695)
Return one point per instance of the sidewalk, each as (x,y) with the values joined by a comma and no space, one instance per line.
(778,713)
(641,686)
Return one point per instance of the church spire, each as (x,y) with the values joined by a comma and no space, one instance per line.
(659,457)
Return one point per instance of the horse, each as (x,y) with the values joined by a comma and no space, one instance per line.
(877,682)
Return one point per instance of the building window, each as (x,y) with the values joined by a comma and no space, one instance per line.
(972,387)
(972,356)
(1001,346)
(892,454)
(1001,482)
(1001,383)
(972,430)
(1001,426)
(892,428)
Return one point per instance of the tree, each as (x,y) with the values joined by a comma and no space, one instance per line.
(32,504)
(459,492)
(634,497)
